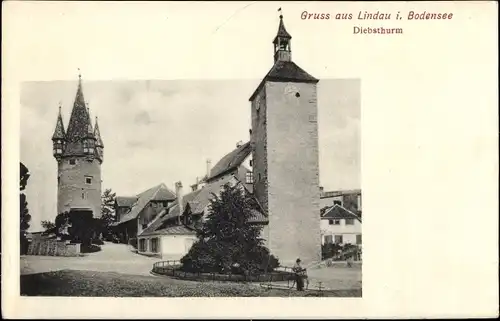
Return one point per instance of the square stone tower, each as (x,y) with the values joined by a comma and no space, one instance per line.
(285,156)
(79,155)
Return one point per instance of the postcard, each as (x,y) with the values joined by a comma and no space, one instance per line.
(249,159)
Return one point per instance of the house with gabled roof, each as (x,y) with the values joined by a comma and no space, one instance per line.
(172,233)
(340,226)
(348,198)
(134,213)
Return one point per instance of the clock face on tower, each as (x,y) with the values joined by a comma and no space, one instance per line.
(290,89)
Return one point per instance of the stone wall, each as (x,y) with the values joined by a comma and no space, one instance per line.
(74,191)
(53,248)
(293,171)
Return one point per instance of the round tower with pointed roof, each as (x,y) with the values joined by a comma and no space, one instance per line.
(79,155)
(285,158)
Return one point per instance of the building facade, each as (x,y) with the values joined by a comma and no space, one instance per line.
(79,155)
(284,141)
(340,226)
(172,233)
(135,213)
(349,199)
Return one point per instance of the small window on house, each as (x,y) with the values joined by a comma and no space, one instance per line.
(330,222)
(72,161)
(142,245)
(84,195)
(339,239)
(328,239)
(58,180)
(358,239)
(154,245)
(337,203)
(88,180)
(349,221)
(249,177)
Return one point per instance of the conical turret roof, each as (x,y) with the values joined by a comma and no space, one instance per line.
(79,126)
(59,132)
(97,135)
(282,33)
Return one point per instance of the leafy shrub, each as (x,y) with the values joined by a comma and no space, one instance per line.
(227,242)
(97,242)
(85,248)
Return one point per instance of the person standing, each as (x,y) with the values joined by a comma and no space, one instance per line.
(299,271)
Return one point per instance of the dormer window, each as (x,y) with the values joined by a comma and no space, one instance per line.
(249,177)
(88,180)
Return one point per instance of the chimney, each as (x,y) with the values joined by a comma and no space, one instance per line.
(179,194)
(209,167)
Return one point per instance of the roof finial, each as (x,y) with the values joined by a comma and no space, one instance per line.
(281,14)
(60,107)
(79,74)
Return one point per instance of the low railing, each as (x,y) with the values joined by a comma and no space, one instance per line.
(173,269)
(164,264)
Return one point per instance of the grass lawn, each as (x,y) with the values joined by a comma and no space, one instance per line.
(109,284)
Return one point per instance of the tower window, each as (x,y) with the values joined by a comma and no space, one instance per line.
(249,177)
(88,180)
(72,161)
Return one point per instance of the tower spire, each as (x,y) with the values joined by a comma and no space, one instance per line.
(282,49)
(79,123)
(59,132)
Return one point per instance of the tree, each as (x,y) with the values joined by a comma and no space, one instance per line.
(25,217)
(48,225)
(226,238)
(107,210)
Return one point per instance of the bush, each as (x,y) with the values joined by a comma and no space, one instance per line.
(227,241)
(97,242)
(89,248)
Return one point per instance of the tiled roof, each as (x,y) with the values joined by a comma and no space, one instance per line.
(172,230)
(59,132)
(79,122)
(258,217)
(159,192)
(339,212)
(125,201)
(282,33)
(169,213)
(97,134)
(197,201)
(230,161)
(285,71)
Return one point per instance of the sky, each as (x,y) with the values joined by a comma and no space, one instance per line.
(164,131)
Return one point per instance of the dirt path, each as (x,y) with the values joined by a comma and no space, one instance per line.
(112,258)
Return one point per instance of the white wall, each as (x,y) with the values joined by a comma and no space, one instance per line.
(348,232)
(174,247)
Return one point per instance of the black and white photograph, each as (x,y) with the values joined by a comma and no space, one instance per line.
(249,160)
(193,187)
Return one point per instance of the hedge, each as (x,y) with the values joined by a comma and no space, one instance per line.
(178,273)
